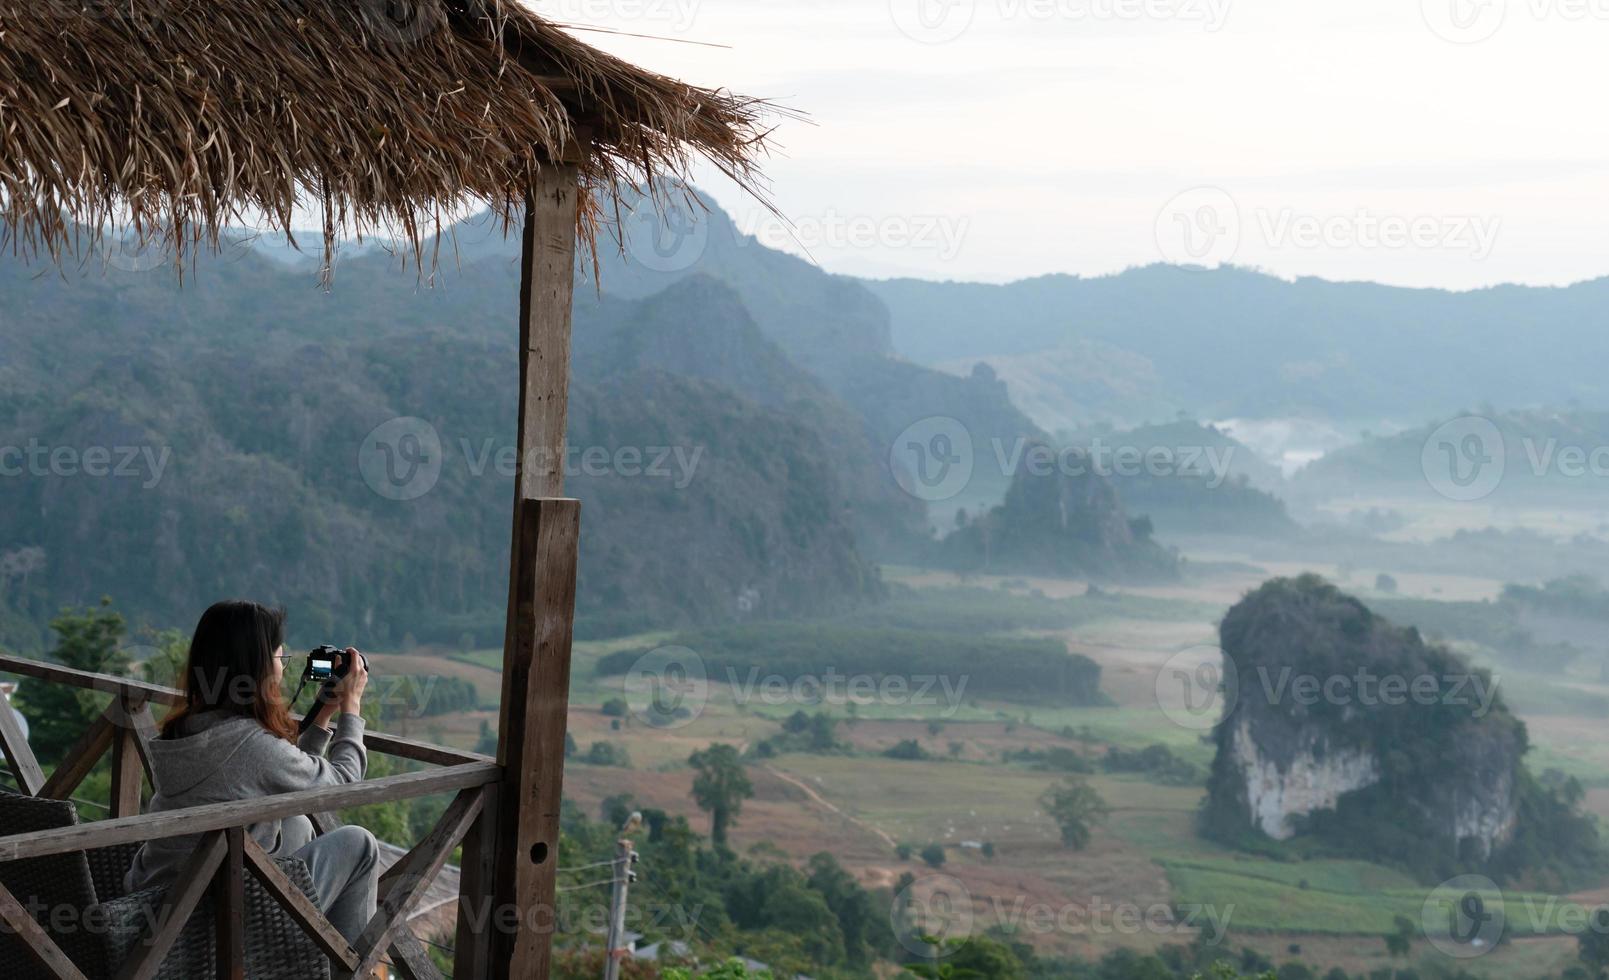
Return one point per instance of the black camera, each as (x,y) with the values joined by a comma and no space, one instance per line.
(322,665)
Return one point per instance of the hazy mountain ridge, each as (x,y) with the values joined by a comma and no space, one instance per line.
(251,392)
(1061,520)
(1234,342)
(699,327)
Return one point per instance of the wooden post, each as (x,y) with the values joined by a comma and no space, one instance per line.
(541,601)
(547,286)
(615,948)
(17,751)
(229,899)
(128,770)
(531,744)
(472,956)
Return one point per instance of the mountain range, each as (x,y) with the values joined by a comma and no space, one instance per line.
(1235,343)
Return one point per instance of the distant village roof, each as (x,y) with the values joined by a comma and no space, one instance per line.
(195,114)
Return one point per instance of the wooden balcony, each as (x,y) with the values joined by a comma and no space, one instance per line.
(226,853)
(504,813)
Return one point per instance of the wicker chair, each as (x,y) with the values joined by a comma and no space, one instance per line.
(276,947)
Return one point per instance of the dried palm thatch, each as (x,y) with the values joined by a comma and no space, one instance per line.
(174,119)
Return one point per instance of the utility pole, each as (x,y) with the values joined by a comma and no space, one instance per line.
(625,857)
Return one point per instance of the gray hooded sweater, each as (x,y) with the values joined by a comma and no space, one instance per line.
(221,757)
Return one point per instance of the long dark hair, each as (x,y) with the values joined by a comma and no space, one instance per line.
(230,667)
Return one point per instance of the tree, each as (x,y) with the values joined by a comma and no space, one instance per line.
(863,929)
(933,854)
(908,748)
(1592,945)
(974,958)
(607,754)
(1400,942)
(1075,806)
(720,787)
(57,714)
(170,652)
(617,809)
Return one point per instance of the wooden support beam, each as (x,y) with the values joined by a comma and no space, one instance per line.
(541,600)
(143,726)
(402,748)
(417,751)
(531,737)
(19,756)
(299,907)
(425,857)
(405,882)
(128,766)
(472,948)
(89,680)
(192,881)
(229,907)
(40,946)
(409,959)
(547,286)
(323,823)
(238,813)
(81,758)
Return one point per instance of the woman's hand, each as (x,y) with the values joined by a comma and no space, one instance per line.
(349,690)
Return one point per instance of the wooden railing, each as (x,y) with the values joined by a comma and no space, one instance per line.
(225,853)
(505,814)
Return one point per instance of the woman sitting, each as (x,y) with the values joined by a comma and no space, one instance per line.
(233,739)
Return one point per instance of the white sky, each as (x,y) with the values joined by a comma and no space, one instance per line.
(1341,138)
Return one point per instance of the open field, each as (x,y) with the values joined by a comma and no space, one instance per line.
(859,804)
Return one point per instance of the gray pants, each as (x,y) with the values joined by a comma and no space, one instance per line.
(345,864)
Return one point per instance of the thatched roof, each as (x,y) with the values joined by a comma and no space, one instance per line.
(192,115)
